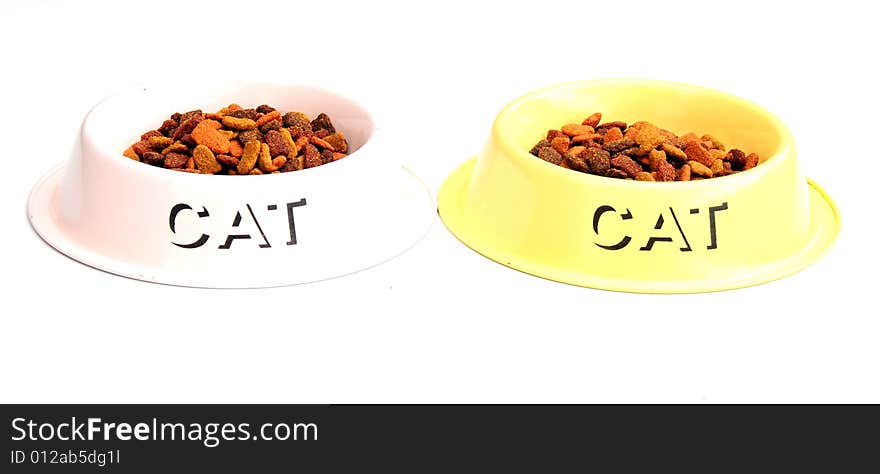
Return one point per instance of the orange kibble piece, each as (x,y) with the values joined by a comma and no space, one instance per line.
(321,143)
(684,174)
(129,153)
(592,120)
(560,144)
(695,151)
(235,148)
(574,129)
(689,137)
(613,134)
(700,169)
(266,118)
(208,133)
(751,161)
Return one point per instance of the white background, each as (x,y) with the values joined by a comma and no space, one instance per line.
(441,323)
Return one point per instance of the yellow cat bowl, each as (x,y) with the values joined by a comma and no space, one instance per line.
(648,237)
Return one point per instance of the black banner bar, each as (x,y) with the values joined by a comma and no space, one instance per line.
(418,438)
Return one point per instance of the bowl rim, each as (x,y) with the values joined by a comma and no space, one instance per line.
(501,136)
(87,127)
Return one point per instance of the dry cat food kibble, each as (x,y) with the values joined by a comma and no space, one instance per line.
(235,140)
(640,151)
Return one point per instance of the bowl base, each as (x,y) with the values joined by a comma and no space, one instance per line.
(413,219)
(824,226)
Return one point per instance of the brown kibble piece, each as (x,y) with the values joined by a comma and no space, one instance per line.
(250,135)
(616,173)
(541,144)
(168,127)
(700,169)
(618,124)
(175,160)
(717,167)
(152,133)
(265,109)
(277,144)
(550,155)
(187,124)
(575,158)
(326,156)
(644,176)
(228,161)
(592,120)
(273,125)
(244,113)
(290,165)
(598,159)
(618,145)
(311,156)
(627,165)
(551,134)
(665,171)
(141,147)
(153,158)
(338,156)
(297,119)
(249,156)
(736,158)
(322,121)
